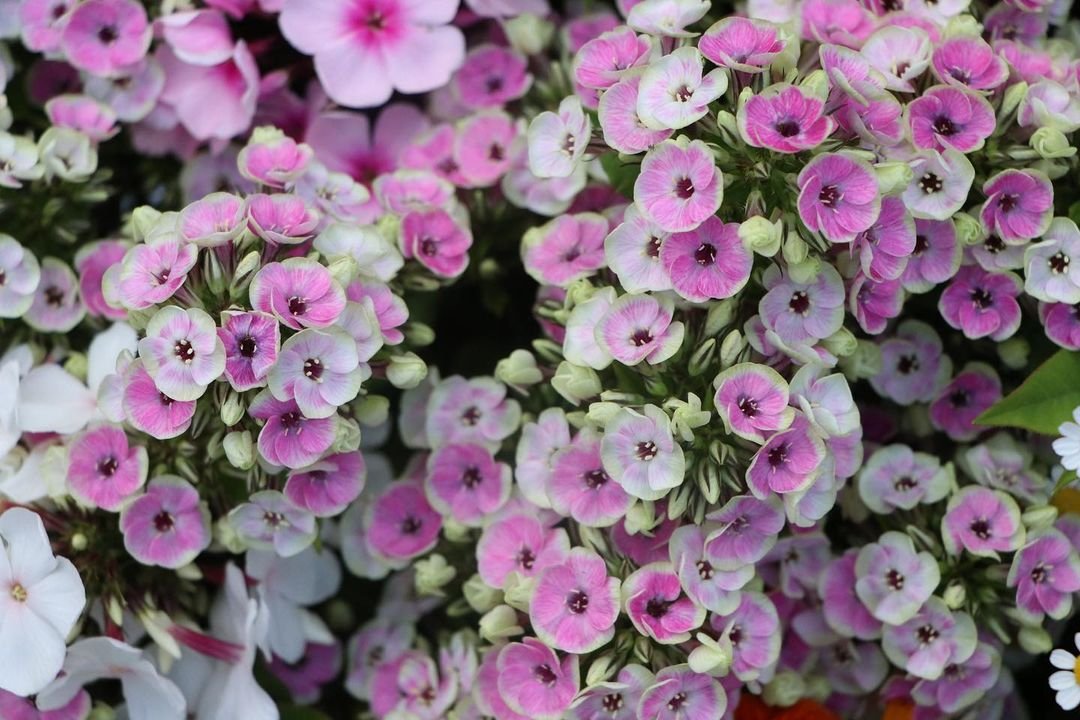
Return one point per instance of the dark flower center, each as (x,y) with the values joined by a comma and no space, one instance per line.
(375,21)
(677,701)
(411,525)
(471,477)
(545,675)
(1007,202)
(829,196)
(291,420)
(107,35)
(905,483)
(787,128)
(54,296)
(247,346)
(959,398)
(800,302)
(428,247)
(735,636)
(994,244)
(471,416)
(778,455)
(930,183)
(526,558)
(1059,263)
(165,399)
(982,298)
(297,305)
(657,607)
(1039,574)
(944,126)
(894,579)
(162,276)
(163,522)
(981,529)
(577,602)
(907,364)
(184,351)
(704,569)
(922,244)
(684,93)
(273,519)
(684,189)
(313,369)
(595,479)
(748,406)
(496,152)
(927,634)
(646,450)
(494,84)
(705,254)
(641,337)
(612,703)
(653,248)
(960,75)
(107,466)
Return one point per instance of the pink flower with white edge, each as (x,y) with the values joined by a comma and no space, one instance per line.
(950,117)
(1019,205)
(616,699)
(1046,574)
(251,341)
(168,525)
(91,262)
(319,369)
(838,196)
(359,320)
(269,521)
(404,45)
(752,400)
(519,543)
(744,44)
(214,220)
(575,604)
(939,185)
(83,113)
(215,102)
(632,252)
(900,54)
(465,482)
(639,327)
(566,249)
(679,186)
(326,488)
(288,438)
(970,61)
(714,589)
(299,292)
(534,682)
(470,411)
(1051,105)
(674,92)
(132,94)
(972,391)
(390,310)
(151,411)
(103,469)
(619,121)
(401,523)
(150,273)
(709,262)
(43,23)
(42,598)
(405,191)
(982,522)
(788,462)
(679,693)
(843,22)
(491,77)
(272,158)
(982,304)
(22,275)
(785,119)
(558,141)
(605,60)
(1050,273)
(654,601)
(892,579)
(666,18)
(639,453)
(437,241)
(182,352)
(578,487)
(281,219)
(484,147)
(102,37)
(535,450)
(56,306)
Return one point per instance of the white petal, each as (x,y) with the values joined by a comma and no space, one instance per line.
(105,349)
(53,400)
(1061,680)
(31,651)
(1062,659)
(28,549)
(1069,699)
(152,697)
(59,598)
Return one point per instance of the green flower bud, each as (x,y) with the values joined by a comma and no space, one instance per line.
(711,657)
(816,83)
(455,532)
(641,517)
(232,409)
(805,270)
(528,34)
(731,348)
(432,574)
(580,291)
(143,219)
(962,26)
(893,177)
(519,370)
(842,343)
(371,410)
(702,358)
(79,542)
(225,535)
(601,413)
(346,435)
(418,334)
(340,616)
(344,269)
(601,670)
(761,236)
(239,449)
(77,365)
(575,383)
(785,689)
(727,123)
(518,591)
(795,249)
(1035,640)
(955,595)
(1014,353)
(1051,143)
(480,596)
(1014,95)
(721,314)
(499,623)
(101,711)
(406,371)
(1039,517)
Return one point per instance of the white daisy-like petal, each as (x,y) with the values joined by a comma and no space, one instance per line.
(1062,680)
(1069,699)
(1062,659)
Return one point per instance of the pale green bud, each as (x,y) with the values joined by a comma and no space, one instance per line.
(79,541)
(721,314)
(1052,169)
(795,249)
(518,370)
(955,595)
(432,574)
(816,83)
(818,687)
(115,610)
(346,435)
(500,622)
(968,229)
(731,348)
(190,572)
(372,410)
(728,123)
(686,416)
(245,270)
(518,591)
(785,689)
(641,517)
(455,532)
(265,134)
(761,236)
(225,535)
(232,410)
(344,269)
(601,670)
(481,596)
(592,538)
(1051,143)
(548,350)
(214,275)
(528,34)
(842,343)
(962,26)
(418,334)
(1014,353)
(101,711)
(239,449)
(1039,517)
(77,365)
(575,383)
(406,371)
(143,219)
(702,358)
(679,501)
(711,657)
(1014,95)
(893,177)
(1035,640)
(805,270)
(601,413)
(340,616)
(580,291)
(67,154)
(155,622)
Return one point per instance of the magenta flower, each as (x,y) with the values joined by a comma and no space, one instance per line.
(251,341)
(484,148)
(379,640)
(83,113)
(708,262)
(743,44)
(844,612)
(326,488)
(935,258)
(103,470)
(785,119)
(437,242)
(521,544)
(930,641)
(24,708)
(268,521)
(966,397)
(875,303)
(167,526)
(640,453)
(970,61)
(390,310)
(843,22)
(182,352)
(319,369)
(645,547)
(43,23)
(575,604)
(287,437)
(402,45)
(838,196)
(56,306)
(151,411)
(982,521)
(299,292)
(566,249)
(465,482)
(1062,323)
(470,411)
(274,159)
(639,327)
(619,121)
(405,191)
(885,246)
(893,580)
(401,524)
(654,601)
(753,630)
(1019,205)
(805,310)
(788,462)
(410,685)
(22,275)
(305,679)
(577,485)
(281,219)
(533,681)
(752,400)
(632,252)
(91,262)
(151,273)
(961,685)
(536,448)
(950,117)
(605,60)
(486,694)
(679,693)
(1046,574)
(714,589)
(103,37)
(897,478)
(982,304)
(490,77)
(747,531)
(679,186)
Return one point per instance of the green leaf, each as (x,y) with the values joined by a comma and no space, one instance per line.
(1064,481)
(1044,401)
(622,175)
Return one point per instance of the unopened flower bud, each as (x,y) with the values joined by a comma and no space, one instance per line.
(600,413)
(580,291)
(731,348)
(79,542)
(418,334)
(593,539)
(225,534)
(454,531)
(816,83)
(969,230)
(480,596)
(795,249)
(239,449)
(528,34)
(1035,640)
(727,122)
(102,711)
(641,517)
(818,687)
(1039,517)
(115,610)
(1014,353)
(372,410)
(67,154)
(702,358)
(143,218)
(340,616)
(500,622)
(232,409)
(245,270)
(785,689)
(432,574)
(1014,95)
(77,365)
(893,176)
(406,371)
(711,657)
(518,370)
(576,383)
(841,343)
(346,435)
(1051,143)
(686,416)
(761,236)
(518,591)
(962,26)
(721,314)
(805,270)
(601,670)
(955,595)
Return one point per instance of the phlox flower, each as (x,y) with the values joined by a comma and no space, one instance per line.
(299,292)
(327,487)
(639,327)
(843,22)
(615,699)
(1046,574)
(1019,205)
(491,76)
(470,411)
(42,23)
(972,391)
(103,470)
(304,680)
(897,478)
(803,311)
(644,546)
(558,141)
(752,400)
(785,119)
(42,598)
(228,89)
(950,117)
(982,304)
(535,451)
(575,604)
(486,695)
(272,158)
(935,258)
(214,220)
(713,589)
(674,92)
(22,275)
(464,481)
(632,252)
(578,487)
(885,246)
(826,402)
(580,343)
(622,128)
(133,93)
(639,453)
(666,18)
(251,341)
(939,185)
(893,580)
(151,411)
(545,196)
(1050,274)
(1049,104)
(1004,463)
(970,61)
(657,607)
(708,262)
(1062,324)
(102,37)
(150,273)
(401,523)
(56,306)
(843,610)
(567,248)
(679,186)
(993,254)
(288,438)
(900,54)
(605,60)
(404,45)
(982,522)
(377,258)
(678,692)
(83,113)
(281,219)
(21,160)
(484,147)
(519,543)
(268,521)
(874,303)
(436,241)
(962,685)
(91,262)
(182,352)
(377,641)
(20,708)
(838,196)
(877,120)
(168,525)
(534,682)
(405,191)
(745,531)
(742,43)
(319,369)
(434,151)
(931,640)
(787,462)
(410,685)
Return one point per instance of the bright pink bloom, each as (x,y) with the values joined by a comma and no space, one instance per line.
(603,61)
(874,303)
(43,23)
(390,310)
(327,487)
(466,483)
(679,693)
(405,191)
(714,589)
(838,196)
(213,220)
(288,438)
(92,261)
(151,411)
(566,249)
(982,521)
(491,77)
(103,470)
(281,219)
(679,186)
(401,524)
(1019,205)
(843,22)
(578,487)
(784,119)
(199,37)
(971,392)
(251,341)
(298,292)
(168,526)
(802,311)
(752,400)
(404,45)
(742,44)
(1062,323)
(788,462)
(935,258)
(212,102)
(132,94)
(575,604)
(518,543)
(483,147)
(102,37)
(437,242)
(305,679)
(950,117)
(754,632)
(14,707)
(706,263)
(319,369)
(534,682)
(969,61)
(273,158)
(83,113)
(885,246)
(657,606)
(982,304)
(182,352)
(639,327)
(619,121)
(1046,574)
